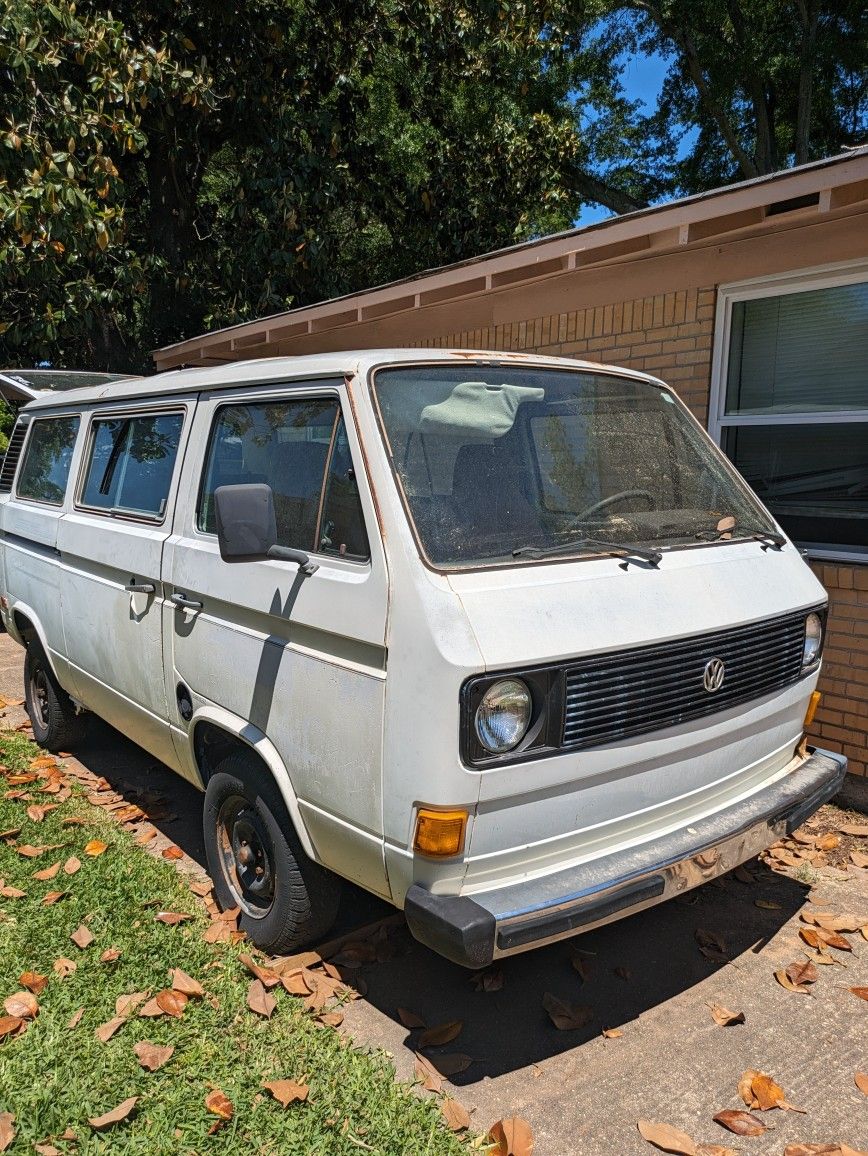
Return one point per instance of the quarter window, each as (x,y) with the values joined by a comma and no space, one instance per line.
(299,448)
(132,460)
(45,470)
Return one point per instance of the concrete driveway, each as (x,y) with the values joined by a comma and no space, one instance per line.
(582,1093)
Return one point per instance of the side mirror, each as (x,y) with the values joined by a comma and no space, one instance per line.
(247,527)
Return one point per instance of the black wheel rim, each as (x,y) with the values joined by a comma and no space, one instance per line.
(39,696)
(246,856)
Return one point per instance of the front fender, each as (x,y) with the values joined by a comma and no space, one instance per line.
(254,738)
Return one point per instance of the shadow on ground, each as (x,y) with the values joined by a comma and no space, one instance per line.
(630,966)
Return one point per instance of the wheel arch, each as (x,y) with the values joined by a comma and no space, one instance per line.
(28,629)
(215,733)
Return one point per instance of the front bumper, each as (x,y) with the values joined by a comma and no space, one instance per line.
(473,931)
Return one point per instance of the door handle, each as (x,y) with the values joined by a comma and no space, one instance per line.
(182,602)
(140,587)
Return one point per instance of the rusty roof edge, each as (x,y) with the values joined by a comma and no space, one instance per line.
(839,159)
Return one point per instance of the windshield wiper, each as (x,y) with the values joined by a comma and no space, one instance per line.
(577,544)
(768,539)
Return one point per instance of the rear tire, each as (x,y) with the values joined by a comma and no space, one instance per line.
(257,863)
(56,724)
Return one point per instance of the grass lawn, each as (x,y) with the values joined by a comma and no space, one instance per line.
(53,1077)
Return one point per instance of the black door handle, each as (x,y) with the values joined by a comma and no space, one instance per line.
(182,602)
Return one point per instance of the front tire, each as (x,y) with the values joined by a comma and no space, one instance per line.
(57,726)
(257,863)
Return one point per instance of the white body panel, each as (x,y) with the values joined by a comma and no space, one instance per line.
(348,682)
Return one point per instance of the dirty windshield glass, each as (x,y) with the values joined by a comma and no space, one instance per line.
(503,462)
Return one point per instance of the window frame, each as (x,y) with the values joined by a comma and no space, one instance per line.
(276,399)
(778,285)
(87,457)
(25,450)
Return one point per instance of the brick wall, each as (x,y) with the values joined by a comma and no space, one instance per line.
(670,335)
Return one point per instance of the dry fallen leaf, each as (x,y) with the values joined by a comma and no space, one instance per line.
(287,1091)
(7,1131)
(712,945)
(768,904)
(22,1004)
(75,1018)
(171,1002)
(455,1115)
(105,1031)
(803,972)
(846,922)
(441,1034)
(172,917)
(110,955)
(742,1123)
(33,981)
(725,1018)
(859,858)
(860,830)
(667,1138)
(126,1004)
(47,1150)
(9,892)
(427,1074)
(409,1018)
(200,889)
(52,897)
(511,1136)
(818,937)
(64,967)
(185,983)
(82,937)
(71,865)
(93,848)
(219,1103)
(260,1000)
(116,1116)
(265,976)
(451,1063)
(861,992)
(565,1016)
(172,852)
(152,1056)
(861,1081)
(491,980)
(47,872)
(612,1033)
(9,1025)
(785,980)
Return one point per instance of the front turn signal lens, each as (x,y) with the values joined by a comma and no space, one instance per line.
(439,834)
(812,708)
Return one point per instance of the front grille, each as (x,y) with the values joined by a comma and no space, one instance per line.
(632,692)
(13,453)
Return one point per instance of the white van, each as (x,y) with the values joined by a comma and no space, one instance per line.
(503,639)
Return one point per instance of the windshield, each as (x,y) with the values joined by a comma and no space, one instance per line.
(500,462)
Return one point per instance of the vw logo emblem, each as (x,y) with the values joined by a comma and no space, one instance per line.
(712,676)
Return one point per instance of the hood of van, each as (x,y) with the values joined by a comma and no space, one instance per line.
(548,611)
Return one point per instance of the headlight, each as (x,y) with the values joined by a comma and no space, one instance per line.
(813,641)
(503,716)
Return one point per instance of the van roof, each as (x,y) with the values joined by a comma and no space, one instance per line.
(263,370)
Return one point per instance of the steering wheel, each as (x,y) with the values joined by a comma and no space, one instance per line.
(619,497)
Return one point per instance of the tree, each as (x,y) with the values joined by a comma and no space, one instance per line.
(752,86)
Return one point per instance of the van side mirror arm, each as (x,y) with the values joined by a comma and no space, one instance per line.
(288,554)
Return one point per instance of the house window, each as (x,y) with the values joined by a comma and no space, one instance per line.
(790,402)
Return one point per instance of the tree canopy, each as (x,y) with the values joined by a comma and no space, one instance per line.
(175,166)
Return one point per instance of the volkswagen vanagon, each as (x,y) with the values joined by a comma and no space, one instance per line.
(503,639)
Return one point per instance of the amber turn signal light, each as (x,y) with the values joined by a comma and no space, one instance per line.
(812,708)
(439,833)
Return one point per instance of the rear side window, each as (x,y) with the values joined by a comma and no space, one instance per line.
(298,448)
(47,458)
(131,464)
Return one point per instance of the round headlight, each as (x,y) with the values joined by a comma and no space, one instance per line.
(503,716)
(813,640)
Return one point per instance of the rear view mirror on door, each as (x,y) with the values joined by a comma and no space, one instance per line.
(246,522)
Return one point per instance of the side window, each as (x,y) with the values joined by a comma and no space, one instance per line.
(131,463)
(342,530)
(45,470)
(284,444)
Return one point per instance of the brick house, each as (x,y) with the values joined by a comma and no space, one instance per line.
(752,300)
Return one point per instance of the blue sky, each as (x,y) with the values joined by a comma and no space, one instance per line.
(642,77)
